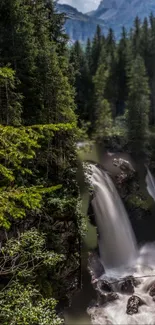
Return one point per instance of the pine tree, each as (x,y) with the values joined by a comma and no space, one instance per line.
(26,31)
(136,37)
(102,111)
(111,44)
(88,53)
(10,100)
(96,50)
(18,47)
(122,60)
(145,42)
(111,59)
(151,67)
(138,105)
(82,80)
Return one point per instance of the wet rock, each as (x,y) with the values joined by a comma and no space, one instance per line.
(133,304)
(124,165)
(105,292)
(128,285)
(93,304)
(104,286)
(95,267)
(152,291)
(106,297)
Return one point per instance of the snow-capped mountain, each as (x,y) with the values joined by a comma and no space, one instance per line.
(110,13)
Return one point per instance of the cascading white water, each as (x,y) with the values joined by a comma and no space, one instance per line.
(114,313)
(117,244)
(119,248)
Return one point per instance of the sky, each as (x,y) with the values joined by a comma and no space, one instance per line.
(82,5)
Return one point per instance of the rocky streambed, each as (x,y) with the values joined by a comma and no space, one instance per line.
(124,296)
(127,296)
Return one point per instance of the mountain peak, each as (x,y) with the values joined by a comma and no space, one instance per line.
(110,4)
(110,14)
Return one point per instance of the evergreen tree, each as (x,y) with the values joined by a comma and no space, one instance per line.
(145,42)
(111,59)
(28,32)
(102,111)
(151,67)
(138,105)
(136,37)
(82,80)
(88,53)
(18,47)
(96,50)
(10,100)
(122,55)
(111,44)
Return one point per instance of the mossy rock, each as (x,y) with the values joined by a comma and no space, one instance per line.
(138,202)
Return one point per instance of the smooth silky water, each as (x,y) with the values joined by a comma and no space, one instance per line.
(120,256)
(117,243)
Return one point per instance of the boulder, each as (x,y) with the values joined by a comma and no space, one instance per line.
(152,290)
(133,304)
(106,297)
(104,286)
(127,285)
(95,268)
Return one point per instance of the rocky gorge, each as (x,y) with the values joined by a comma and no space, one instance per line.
(127,294)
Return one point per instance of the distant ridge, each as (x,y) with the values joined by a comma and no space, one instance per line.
(110,13)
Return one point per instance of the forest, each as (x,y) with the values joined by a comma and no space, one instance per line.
(114,82)
(51,97)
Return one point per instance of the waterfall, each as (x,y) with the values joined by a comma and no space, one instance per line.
(117,243)
(150,182)
(117,246)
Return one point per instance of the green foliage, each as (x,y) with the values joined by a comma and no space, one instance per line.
(15,203)
(24,305)
(138,105)
(82,82)
(103,116)
(138,202)
(105,55)
(10,100)
(24,256)
(38,133)
(17,146)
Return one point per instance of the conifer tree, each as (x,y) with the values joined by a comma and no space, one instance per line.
(138,105)
(151,67)
(88,53)
(96,49)
(102,111)
(122,57)
(136,37)
(145,42)
(10,100)
(26,31)
(111,44)
(82,80)
(111,59)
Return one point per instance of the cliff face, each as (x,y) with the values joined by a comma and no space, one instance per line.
(79,26)
(118,13)
(110,13)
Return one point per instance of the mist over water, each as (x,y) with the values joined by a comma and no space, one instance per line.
(117,243)
(120,257)
(115,313)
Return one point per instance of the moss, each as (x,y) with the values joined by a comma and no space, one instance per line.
(138,202)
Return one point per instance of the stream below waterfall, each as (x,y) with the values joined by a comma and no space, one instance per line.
(124,294)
